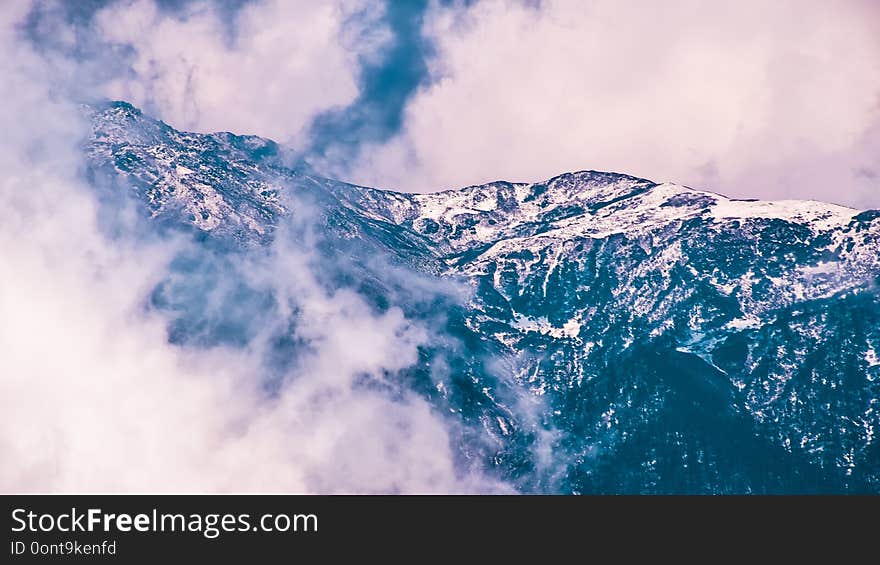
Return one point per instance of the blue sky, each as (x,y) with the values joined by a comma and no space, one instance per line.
(753,99)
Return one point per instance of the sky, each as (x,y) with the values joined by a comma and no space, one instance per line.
(748,98)
(751,99)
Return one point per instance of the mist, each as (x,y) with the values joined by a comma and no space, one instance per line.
(98,394)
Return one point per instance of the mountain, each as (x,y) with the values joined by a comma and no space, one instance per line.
(617,335)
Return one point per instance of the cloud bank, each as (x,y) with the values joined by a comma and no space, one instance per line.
(752,99)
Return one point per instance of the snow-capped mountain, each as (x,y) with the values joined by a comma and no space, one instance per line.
(619,336)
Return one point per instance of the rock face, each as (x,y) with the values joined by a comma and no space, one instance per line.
(619,335)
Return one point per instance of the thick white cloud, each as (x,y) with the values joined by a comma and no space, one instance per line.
(267,72)
(93,397)
(750,98)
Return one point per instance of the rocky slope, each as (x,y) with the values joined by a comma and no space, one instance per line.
(619,336)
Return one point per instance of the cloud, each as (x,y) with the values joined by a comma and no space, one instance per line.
(266,68)
(753,99)
(747,98)
(324,77)
(94,396)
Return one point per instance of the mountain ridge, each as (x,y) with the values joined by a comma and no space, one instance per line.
(631,310)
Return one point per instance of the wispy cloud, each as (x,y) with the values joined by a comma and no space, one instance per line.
(94,395)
